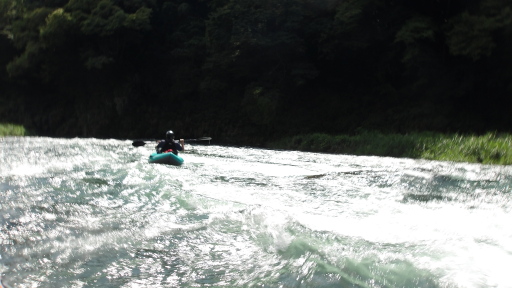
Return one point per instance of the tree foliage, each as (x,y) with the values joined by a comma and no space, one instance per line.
(135,68)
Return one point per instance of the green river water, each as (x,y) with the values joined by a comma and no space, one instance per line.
(95,213)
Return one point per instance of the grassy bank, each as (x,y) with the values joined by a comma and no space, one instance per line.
(7,129)
(490,148)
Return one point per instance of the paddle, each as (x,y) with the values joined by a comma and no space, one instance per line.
(138,143)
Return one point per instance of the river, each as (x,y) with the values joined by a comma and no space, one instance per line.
(95,213)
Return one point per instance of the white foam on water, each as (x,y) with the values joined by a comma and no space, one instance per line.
(248,216)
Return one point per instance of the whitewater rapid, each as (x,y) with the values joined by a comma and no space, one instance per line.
(95,213)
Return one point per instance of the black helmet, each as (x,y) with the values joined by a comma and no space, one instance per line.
(169,135)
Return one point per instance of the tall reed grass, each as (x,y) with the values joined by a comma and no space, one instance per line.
(491,148)
(7,129)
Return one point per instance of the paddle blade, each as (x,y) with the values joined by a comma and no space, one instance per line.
(204,139)
(138,143)
(199,139)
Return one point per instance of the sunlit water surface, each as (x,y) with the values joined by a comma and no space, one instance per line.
(94,213)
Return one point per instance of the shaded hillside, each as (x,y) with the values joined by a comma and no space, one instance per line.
(245,70)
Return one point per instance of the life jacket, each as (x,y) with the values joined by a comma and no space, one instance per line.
(168,146)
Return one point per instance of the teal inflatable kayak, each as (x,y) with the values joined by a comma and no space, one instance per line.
(166,158)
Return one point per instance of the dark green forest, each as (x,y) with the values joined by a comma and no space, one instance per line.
(245,71)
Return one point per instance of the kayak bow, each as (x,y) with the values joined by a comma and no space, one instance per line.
(166,158)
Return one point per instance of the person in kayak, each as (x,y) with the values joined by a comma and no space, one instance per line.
(169,144)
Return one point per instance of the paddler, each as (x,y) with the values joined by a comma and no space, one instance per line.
(169,144)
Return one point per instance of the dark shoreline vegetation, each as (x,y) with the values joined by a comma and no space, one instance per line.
(490,148)
(247,72)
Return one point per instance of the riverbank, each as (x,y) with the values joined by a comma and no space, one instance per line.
(8,129)
(491,148)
